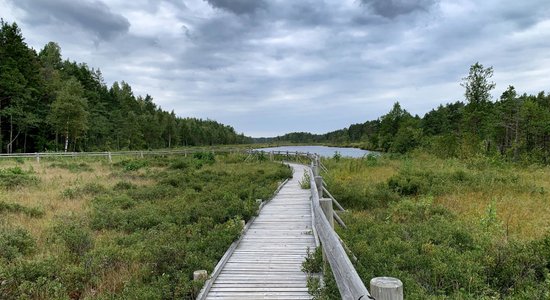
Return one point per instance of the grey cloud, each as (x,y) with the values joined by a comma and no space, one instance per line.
(239,7)
(346,59)
(93,16)
(393,8)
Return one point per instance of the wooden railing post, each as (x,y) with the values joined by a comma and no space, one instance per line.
(271,156)
(386,288)
(328,210)
(38,157)
(315,168)
(319,184)
(200,275)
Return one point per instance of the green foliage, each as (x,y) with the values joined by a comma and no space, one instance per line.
(16,177)
(436,254)
(72,166)
(314,261)
(305,183)
(15,242)
(132,164)
(48,103)
(90,189)
(205,157)
(515,127)
(18,208)
(74,234)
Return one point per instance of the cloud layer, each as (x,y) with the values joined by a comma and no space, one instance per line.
(270,67)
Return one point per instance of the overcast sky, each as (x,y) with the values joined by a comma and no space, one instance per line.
(269,67)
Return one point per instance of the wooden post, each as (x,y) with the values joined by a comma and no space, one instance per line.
(319,184)
(200,275)
(110,157)
(315,169)
(328,210)
(271,156)
(37,157)
(386,288)
(141,154)
(243,224)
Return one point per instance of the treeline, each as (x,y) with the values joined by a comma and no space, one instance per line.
(515,126)
(47,104)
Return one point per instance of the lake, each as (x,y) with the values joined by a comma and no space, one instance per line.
(322,150)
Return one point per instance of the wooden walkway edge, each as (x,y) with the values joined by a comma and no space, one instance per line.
(266,263)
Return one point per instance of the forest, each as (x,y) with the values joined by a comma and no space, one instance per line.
(515,127)
(51,104)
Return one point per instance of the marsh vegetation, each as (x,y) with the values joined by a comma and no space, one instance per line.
(134,229)
(448,228)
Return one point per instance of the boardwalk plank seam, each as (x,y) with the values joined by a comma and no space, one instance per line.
(266,263)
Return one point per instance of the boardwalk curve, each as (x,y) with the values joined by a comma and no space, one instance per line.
(267,262)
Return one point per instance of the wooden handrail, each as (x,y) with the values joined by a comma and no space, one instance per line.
(347,279)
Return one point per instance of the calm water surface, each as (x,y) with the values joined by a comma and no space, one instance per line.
(322,150)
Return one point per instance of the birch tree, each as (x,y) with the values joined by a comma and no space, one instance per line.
(69,115)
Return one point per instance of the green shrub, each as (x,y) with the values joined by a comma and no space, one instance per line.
(90,189)
(152,193)
(132,164)
(15,242)
(75,167)
(32,279)
(305,182)
(16,177)
(74,234)
(124,185)
(18,208)
(205,157)
(180,164)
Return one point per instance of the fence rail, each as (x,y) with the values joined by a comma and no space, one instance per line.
(110,154)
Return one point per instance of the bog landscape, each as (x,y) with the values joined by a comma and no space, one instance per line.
(106,194)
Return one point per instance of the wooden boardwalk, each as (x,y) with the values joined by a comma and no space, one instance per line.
(267,262)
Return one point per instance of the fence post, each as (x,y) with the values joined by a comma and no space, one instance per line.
(37,157)
(386,288)
(110,157)
(271,156)
(200,275)
(319,184)
(141,154)
(328,210)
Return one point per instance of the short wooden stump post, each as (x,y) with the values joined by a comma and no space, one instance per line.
(200,275)
(386,288)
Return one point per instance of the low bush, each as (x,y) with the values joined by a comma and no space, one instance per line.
(75,167)
(139,241)
(410,223)
(15,242)
(16,177)
(132,164)
(18,208)
(124,185)
(90,189)
(74,234)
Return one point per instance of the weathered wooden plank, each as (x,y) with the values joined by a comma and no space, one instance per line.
(267,263)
